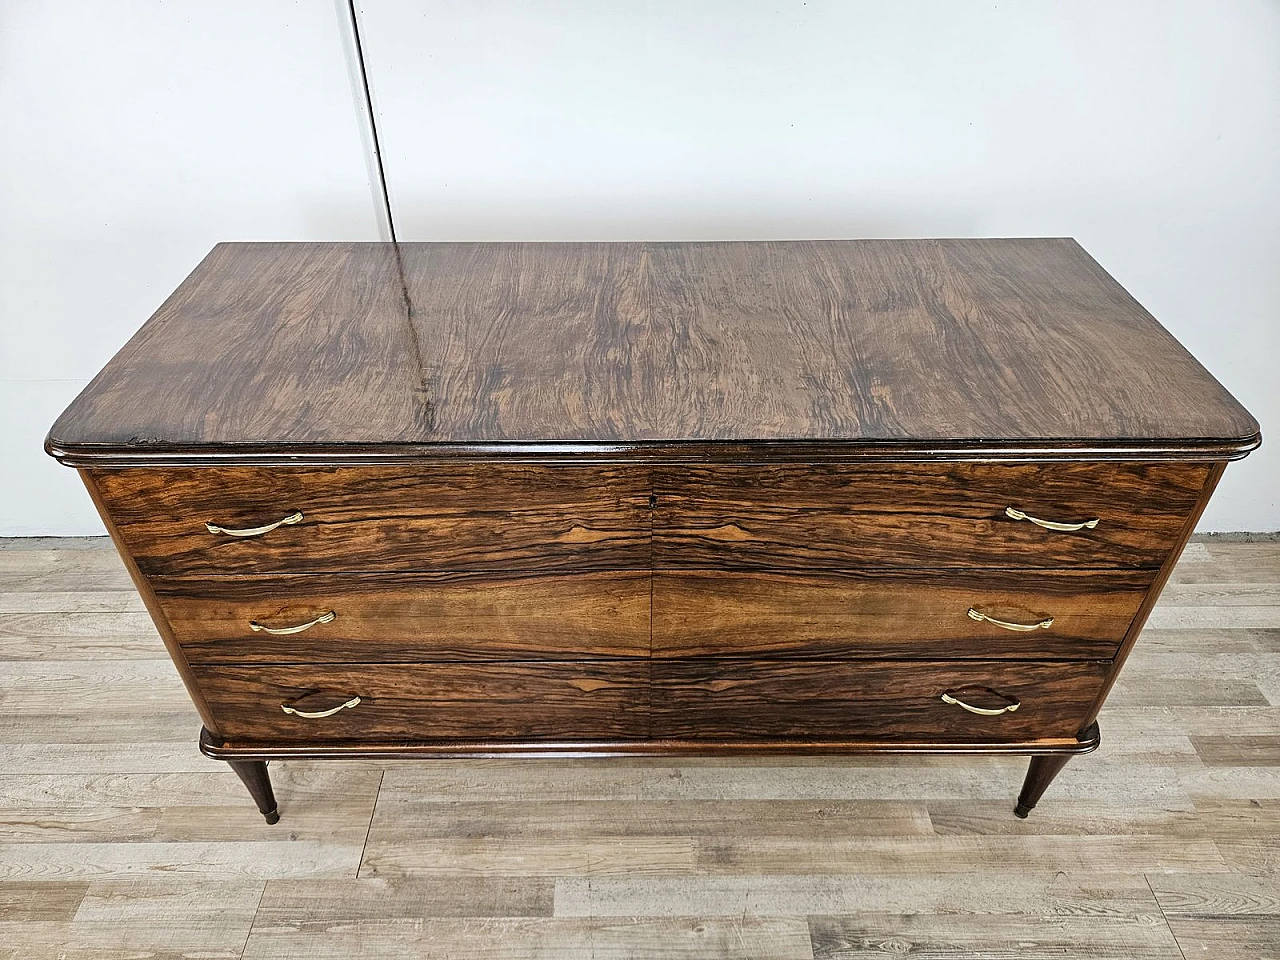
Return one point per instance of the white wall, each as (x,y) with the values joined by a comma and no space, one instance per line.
(137,135)
(134,137)
(1150,131)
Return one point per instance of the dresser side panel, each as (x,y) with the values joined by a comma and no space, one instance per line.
(1153,594)
(153,606)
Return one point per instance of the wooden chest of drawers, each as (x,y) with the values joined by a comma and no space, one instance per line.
(482,499)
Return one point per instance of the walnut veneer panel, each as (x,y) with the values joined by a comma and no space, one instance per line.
(282,346)
(894,613)
(937,514)
(503,516)
(432,701)
(870,699)
(386,617)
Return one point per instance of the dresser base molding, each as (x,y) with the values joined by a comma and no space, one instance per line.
(1048,757)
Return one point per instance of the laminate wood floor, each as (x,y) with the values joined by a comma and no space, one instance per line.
(118,839)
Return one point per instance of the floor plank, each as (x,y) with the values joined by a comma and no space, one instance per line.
(522,938)
(1238,751)
(582,819)
(989,892)
(1232,916)
(994,779)
(304,903)
(229,858)
(43,902)
(1216,895)
(1253,938)
(165,916)
(946,937)
(98,648)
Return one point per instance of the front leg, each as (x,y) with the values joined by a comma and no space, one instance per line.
(1039,775)
(1044,768)
(255,777)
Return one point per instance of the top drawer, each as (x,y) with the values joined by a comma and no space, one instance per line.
(472,516)
(796,515)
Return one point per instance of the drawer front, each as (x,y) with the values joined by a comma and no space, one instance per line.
(933,515)
(429,701)
(894,613)
(429,517)
(872,700)
(410,617)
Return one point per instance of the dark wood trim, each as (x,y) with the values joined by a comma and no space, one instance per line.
(995,451)
(219,749)
(1040,774)
(253,774)
(152,603)
(1153,593)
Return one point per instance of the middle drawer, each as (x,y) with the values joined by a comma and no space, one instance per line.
(408,617)
(940,614)
(936,614)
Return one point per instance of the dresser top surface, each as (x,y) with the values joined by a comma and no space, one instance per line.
(985,343)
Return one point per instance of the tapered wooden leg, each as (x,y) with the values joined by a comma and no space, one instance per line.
(1039,775)
(255,777)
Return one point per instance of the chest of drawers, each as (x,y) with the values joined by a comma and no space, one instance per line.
(488,499)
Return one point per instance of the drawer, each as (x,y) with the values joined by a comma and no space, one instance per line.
(797,515)
(429,701)
(871,700)
(895,613)
(428,517)
(410,617)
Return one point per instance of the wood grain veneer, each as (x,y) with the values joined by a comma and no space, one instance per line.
(433,701)
(951,514)
(434,517)
(411,617)
(893,613)
(720,698)
(650,497)
(1001,343)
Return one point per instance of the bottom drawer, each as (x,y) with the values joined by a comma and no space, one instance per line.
(872,700)
(430,701)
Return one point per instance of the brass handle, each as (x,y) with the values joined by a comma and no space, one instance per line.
(254,531)
(978,615)
(1015,514)
(320,714)
(1009,707)
(281,631)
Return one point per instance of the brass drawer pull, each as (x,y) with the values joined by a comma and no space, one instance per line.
(978,615)
(1015,514)
(281,631)
(320,714)
(1011,706)
(254,531)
